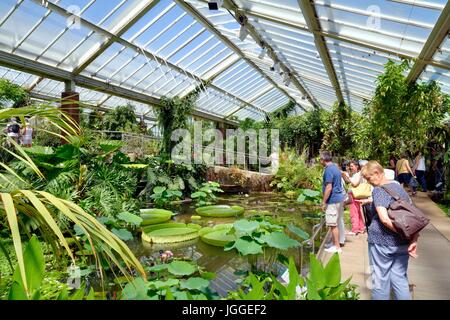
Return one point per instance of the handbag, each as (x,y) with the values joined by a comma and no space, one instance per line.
(407,219)
(362,191)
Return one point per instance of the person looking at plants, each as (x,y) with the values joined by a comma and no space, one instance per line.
(419,169)
(354,179)
(388,251)
(404,171)
(27,135)
(333,201)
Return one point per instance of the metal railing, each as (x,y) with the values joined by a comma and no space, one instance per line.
(316,230)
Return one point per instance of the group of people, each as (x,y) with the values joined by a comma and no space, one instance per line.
(21,134)
(388,251)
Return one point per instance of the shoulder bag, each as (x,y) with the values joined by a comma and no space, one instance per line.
(362,191)
(407,219)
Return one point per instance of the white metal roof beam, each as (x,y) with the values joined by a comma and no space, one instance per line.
(437,35)
(271,52)
(198,16)
(119,40)
(37,68)
(345,39)
(138,12)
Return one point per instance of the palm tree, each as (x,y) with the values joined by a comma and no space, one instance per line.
(19,203)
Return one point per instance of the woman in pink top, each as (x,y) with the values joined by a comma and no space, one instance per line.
(356,217)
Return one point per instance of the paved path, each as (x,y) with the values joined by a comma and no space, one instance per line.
(429,274)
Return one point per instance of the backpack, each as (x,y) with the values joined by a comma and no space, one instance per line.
(14,128)
(407,219)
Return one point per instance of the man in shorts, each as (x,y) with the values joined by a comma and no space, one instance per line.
(333,201)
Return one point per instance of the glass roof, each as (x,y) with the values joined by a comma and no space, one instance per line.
(311,52)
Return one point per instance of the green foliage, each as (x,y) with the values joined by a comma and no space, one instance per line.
(177,280)
(177,177)
(12,94)
(121,118)
(255,237)
(162,196)
(320,284)
(324,283)
(34,287)
(309,196)
(397,108)
(294,173)
(338,128)
(172,114)
(204,196)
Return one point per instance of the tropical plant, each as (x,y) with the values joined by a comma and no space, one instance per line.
(162,196)
(309,196)
(172,114)
(338,129)
(166,174)
(121,118)
(204,196)
(12,94)
(397,107)
(256,236)
(34,263)
(177,280)
(49,216)
(295,173)
(322,283)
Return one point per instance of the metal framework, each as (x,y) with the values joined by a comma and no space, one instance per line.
(147,49)
(440,32)
(311,19)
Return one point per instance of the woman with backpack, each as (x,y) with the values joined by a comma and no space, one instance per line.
(389,252)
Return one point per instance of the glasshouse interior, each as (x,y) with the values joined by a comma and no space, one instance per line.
(225,150)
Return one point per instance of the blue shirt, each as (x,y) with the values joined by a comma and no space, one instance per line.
(333,175)
(378,232)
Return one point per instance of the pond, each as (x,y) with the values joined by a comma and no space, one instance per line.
(226,263)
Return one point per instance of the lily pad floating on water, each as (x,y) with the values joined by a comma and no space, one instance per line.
(217,235)
(154,216)
(170,232)
(220,211)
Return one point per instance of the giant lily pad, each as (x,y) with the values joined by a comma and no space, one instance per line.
(153,216)
(170,232)
(220,211)
(217,235)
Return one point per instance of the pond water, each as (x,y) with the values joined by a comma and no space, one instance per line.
(226,263)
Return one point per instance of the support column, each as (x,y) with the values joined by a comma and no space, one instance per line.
(70,101)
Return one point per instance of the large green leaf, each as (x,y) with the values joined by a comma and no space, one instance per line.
(220,211)
(181,268)
(110,145)
(123,234)
(130,218)
(34,270)
(333,271)
(170,233)
(298,232)
(245,226)
(247,246)
(153,216)
(135,290)
(158,284)
(217,236)
(194,283)
(311,193)
(301,198)
(279,240)
(316,272)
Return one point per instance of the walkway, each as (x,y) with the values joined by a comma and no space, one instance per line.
(429,274)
